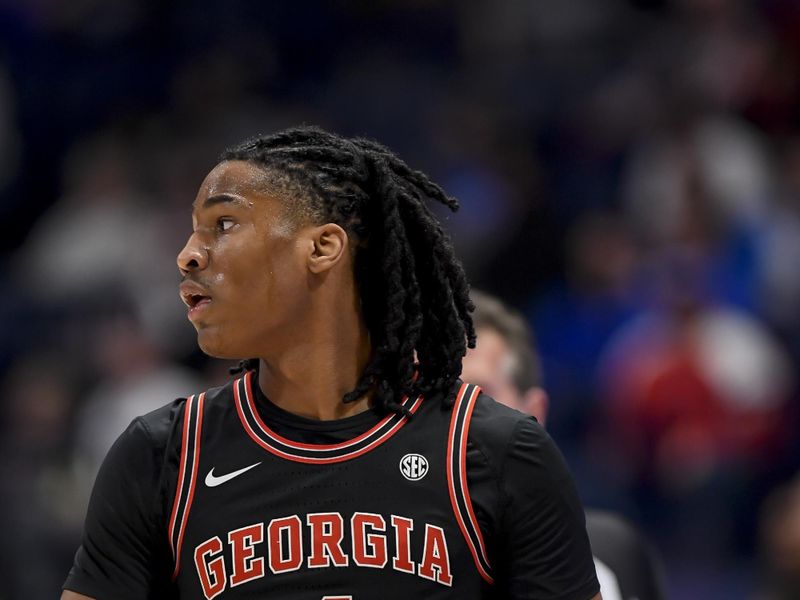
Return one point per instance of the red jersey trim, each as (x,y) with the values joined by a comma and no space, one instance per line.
(190,458)
(282,447)
(457,478)
(181,474)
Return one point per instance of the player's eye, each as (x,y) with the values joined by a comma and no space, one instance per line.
(224,224)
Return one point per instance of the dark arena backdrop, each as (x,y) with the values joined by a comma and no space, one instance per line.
(629,176)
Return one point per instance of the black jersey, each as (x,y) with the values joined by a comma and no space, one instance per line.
(230,503)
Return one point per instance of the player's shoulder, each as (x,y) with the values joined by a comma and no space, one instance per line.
(493,426)
(493,419)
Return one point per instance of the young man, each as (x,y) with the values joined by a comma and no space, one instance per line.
(348,461)
(505,364)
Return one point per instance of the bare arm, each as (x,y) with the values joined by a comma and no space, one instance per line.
(67,595)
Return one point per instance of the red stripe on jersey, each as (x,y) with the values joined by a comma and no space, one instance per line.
(316,460)
(187,407)
(450,480)
(299,445)
(464,486)
(192,482)
(451,484)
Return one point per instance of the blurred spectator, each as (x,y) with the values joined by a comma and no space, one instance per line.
(695,395)
(575,319)
(719,157)
(779,250)
(99,236)
(38,502)
(505,364)
(701,192)
(780,543)
(135,378)
(106,238)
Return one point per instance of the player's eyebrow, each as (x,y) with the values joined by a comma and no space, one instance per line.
(222,198)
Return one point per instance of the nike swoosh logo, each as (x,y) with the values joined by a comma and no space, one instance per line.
(213,480)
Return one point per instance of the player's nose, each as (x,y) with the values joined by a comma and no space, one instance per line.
(193,257)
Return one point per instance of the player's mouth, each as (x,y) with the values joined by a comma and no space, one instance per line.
(195,297)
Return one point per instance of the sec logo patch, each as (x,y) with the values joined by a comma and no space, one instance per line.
(413,466)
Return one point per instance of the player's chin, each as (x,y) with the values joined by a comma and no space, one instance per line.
(213,342)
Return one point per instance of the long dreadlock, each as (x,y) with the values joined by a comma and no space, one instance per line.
(413,289)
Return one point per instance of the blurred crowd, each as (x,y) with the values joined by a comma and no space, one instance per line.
(629,175)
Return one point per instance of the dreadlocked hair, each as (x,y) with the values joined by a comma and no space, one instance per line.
(414,292)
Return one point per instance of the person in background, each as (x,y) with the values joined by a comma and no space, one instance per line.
(779,537)
(504,363)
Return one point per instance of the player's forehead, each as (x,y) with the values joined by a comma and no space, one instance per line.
(234,178)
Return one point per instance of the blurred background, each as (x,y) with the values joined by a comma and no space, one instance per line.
(629,173)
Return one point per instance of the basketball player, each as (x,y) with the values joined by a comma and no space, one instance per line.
(347,460)
(505,364)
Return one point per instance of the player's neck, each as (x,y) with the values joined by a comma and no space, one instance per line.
(323,361)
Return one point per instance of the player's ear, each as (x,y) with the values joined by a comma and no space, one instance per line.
(535,403)
(329,244)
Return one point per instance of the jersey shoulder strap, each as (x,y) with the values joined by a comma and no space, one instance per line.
(457,478)
(187,475)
